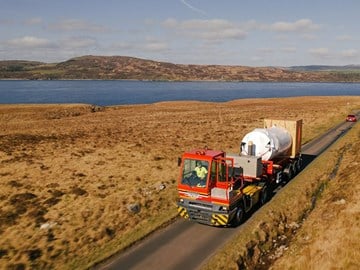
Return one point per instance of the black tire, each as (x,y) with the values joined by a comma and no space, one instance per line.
(299,165)
(239,216)
(288,171)
(295,168)
(264,195)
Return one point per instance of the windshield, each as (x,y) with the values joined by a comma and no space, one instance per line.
(195,173)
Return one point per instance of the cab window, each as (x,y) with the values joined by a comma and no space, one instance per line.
(195,172)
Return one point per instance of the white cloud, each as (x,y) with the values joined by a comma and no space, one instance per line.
(253,25)
(29,42)
(320,52)
(170,23)
(155,46)
(148,45)
(302,25)
(219,30)
(78,42)
(210,30)
(231,33)
(207,25)
(350,53)
(77,25)
(34,48)
(34,21)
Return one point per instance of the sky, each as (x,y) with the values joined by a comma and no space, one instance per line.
(212,32)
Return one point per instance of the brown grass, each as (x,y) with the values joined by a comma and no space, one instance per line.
(69,174)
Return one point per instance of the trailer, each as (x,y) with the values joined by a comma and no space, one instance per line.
(219,188)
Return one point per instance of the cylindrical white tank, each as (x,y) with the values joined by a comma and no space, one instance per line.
(266,143)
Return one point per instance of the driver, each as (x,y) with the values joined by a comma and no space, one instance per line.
(200,170)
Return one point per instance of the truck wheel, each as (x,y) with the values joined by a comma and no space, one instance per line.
(239,216)
(264,195)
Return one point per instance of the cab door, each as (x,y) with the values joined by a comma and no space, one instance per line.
(220,171)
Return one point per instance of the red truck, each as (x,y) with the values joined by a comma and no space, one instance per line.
(218,188)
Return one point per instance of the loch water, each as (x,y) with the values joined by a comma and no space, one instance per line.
(114,92)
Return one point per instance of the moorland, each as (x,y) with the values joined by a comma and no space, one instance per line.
(79,182)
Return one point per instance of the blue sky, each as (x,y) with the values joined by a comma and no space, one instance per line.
(228,32)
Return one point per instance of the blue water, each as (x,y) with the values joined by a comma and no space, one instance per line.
(106,93)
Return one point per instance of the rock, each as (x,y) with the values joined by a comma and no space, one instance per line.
(161,187)
(342,201)
(48,225)
(134,208)
(95,108)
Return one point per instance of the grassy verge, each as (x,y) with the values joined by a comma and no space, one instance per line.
(109,249)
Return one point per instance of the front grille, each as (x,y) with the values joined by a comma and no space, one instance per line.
(203,212)
(199,215)
(200,205)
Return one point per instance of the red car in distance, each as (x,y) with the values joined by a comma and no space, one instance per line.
(351,118)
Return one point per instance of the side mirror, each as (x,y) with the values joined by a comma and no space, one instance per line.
(179,162)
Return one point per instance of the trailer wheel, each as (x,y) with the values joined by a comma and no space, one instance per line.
(239,216)
(299,165)
(295,168)
(288,171)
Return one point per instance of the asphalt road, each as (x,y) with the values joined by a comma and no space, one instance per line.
(187,245)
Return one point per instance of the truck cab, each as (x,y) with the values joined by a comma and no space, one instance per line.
(211,162)
(208,197)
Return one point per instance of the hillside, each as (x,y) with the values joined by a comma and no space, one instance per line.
(129,68)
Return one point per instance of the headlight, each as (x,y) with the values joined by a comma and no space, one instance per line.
(223,208)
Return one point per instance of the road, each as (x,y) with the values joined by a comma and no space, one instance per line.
(187,245)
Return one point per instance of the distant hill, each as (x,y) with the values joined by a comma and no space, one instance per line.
(325,68)
(130,68)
